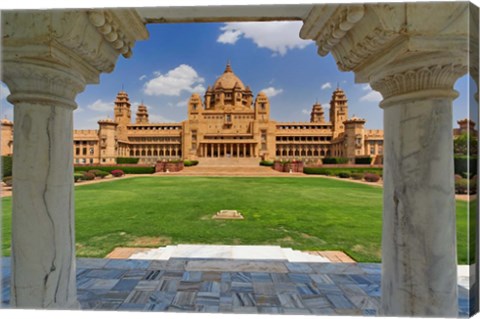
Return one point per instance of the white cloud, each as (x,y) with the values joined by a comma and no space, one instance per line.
(4,91)
(182,78)
(271,91)
(156,118)
(370,96)
(327,85)
(278,36)
(143,77)
(305,111)
(101,106)
(182,103)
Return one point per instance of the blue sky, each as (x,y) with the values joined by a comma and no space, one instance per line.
(179,59)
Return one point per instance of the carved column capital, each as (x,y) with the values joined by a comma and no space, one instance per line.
(418,82)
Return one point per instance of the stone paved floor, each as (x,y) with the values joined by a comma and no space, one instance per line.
(227,286)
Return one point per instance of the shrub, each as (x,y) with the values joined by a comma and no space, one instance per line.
(372,178)
(344,174)
(357,176)
(461,186)
(189,163)
(8,180)
(99,173)
(6,166)
(363,160)
(315,170)
(77,176)
(88,176)
(117,173)
(335,160)
(458,177)
(266,163)
(125,169)
(465,164)
(127,160)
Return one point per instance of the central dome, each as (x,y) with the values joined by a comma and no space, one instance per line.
(228,80)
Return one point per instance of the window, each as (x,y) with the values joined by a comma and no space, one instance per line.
(91,161)
(77,151)
(92,150)
(84,151)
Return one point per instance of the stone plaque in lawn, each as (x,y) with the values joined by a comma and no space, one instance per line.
(227,214)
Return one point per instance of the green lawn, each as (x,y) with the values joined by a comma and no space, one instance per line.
(302,213)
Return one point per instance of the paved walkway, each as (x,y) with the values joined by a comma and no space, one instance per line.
(229,286)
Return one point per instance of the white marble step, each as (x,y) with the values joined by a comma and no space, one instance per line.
(228,252)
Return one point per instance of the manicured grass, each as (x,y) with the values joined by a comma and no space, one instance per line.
(302,213)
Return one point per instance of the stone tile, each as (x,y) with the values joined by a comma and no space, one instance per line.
(280,277)
(241,287)
(340,302)
(105,273)
(226,276)
(226,299)
(161,306)
(337,268)
(225,308)
(161,297)
(103,283)
(374,278)
(153,274)
(176,264)
(321,279)
(241,277)
(261,277)
(242,299)
(189,285)
(139,297)
(168,285)
(192,276)
(364,302)
(173,274)
(369,312)
(299,268)
(225,286)
(352,290)
(299,278)
(211,276)
(329,289)
(315,302)
(147,285)
(371,268)
(341,279)
(307,289)
(210,309)
(113,295)
(361,279)
(285,287)
(323,311)
(91,263)
(184,298)
(348,312)
(158,265)
(372,290)
(266,300)
(237,265)
(290,300)
(125,284)
(128,264)
(134,274)
(263,288)
(210,286)
(208,299)
(85,282)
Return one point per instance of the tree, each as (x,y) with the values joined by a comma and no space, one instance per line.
(463,142)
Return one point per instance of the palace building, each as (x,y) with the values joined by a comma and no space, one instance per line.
(228,123)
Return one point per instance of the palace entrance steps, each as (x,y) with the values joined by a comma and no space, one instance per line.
(228,167)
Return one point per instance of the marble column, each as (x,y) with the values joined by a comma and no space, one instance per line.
(419,193)
(412,53)
(47,58)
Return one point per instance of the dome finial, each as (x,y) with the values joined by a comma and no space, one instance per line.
(228,68)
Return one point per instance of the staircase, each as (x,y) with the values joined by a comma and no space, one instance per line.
(228,171)
(229,162)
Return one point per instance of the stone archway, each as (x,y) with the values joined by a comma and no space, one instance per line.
(413,65)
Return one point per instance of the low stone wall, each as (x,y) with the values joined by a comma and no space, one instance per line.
(288,167)
(168,166)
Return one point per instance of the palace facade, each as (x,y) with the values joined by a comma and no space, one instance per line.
(228,123)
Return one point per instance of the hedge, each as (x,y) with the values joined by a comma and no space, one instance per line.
(127,160)
(335,160)
(461,165)
(125,169)
(335,170)
(363,160)
(6,166)
(190,163)
(266,163)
